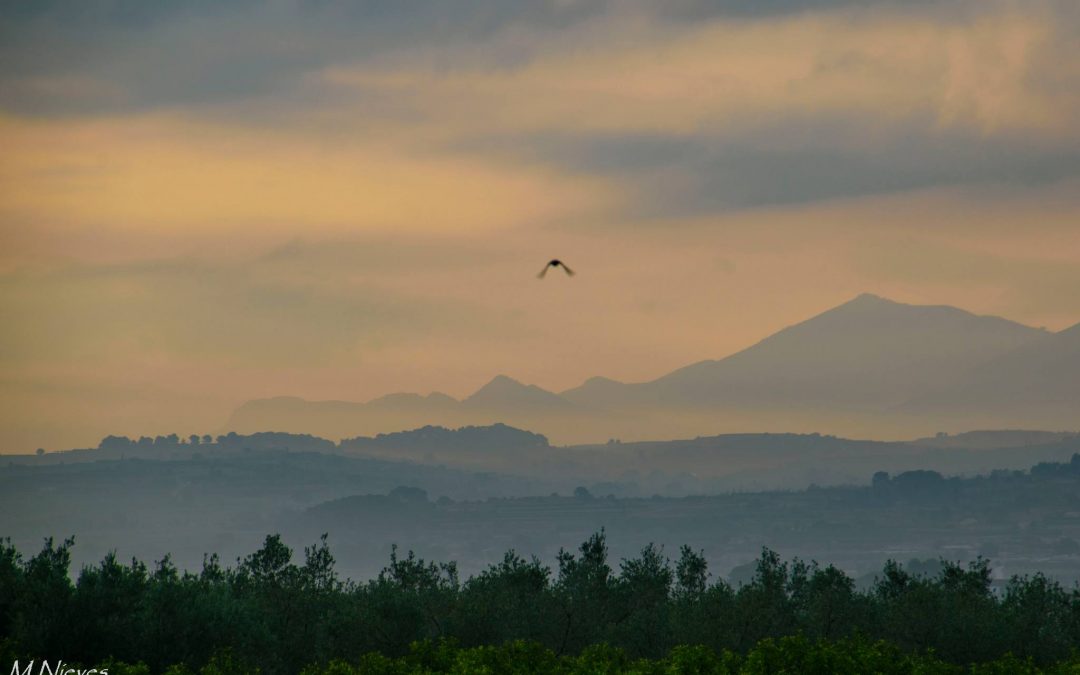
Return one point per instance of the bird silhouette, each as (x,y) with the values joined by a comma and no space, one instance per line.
(555,263)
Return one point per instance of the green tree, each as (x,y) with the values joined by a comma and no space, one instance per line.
(643,624)
(106,611)
(507,601)
(763,606)
(11,586)
(42,624)
(583,591)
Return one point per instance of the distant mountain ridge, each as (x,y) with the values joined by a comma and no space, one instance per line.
(867,353)
(868,366)
(503,399)
(504,392)
(1034,385)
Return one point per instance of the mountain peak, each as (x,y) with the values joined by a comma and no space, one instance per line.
(438,396)
(599,380)
(870,301)
(501,382)
(503,391)
(872,298)
(500,389)
(870,352)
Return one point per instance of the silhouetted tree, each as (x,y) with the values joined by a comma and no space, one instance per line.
(583,591)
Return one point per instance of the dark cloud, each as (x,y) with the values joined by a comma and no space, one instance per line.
(89,57)
(77,57)
(679,175)
(68,57)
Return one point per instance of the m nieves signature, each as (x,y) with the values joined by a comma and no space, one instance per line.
(49,668)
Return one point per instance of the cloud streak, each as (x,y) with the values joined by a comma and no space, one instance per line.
(988,74)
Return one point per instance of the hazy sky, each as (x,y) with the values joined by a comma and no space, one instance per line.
(201,205)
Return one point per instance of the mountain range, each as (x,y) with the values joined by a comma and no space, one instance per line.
(869,366)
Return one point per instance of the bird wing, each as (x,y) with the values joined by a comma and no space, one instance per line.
(543,271)
(569,271)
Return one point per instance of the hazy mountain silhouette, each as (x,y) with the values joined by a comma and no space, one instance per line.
(1036,385)
(505,393)
(503,399)
(340,419)
(433,402)
(869,353)
(869,366)
(994,439)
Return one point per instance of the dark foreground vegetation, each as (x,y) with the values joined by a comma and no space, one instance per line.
(270,614)
(792,655)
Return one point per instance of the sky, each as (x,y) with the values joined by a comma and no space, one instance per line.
(204,203)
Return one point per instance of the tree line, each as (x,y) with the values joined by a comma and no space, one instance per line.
(270,613)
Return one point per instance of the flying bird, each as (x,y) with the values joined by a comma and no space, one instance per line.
(555,263)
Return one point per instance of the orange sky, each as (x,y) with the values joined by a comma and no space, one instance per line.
(197,209)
